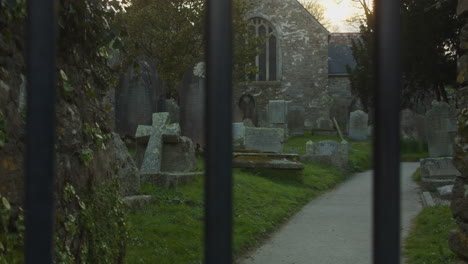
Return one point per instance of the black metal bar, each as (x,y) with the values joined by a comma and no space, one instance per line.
(40,128)
(386,229)
(218,186)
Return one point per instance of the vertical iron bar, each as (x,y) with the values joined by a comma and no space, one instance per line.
(218,186)
(386,206)
(40,129)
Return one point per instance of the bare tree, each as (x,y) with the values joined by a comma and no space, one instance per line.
(318,11)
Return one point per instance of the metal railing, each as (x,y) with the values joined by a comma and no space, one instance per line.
(218,230)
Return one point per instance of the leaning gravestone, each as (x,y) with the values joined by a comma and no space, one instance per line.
(328,152)
(358,127)
(296,120)
(264,139)
(127,172)
(440,129)
(436,172)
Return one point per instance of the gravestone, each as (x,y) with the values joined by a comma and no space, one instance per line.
(136,96)
(238,130)
(152,160)
(127,172)
(436,172)
(296,120)
(277,112)
(328,152)
(264,139)
(248,122)
(179,156)
(141,137)
(440,129)
(247,107)
(358,127)
(173,109)
(192,103)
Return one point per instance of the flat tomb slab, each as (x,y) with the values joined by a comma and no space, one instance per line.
(267,154)
(255,162)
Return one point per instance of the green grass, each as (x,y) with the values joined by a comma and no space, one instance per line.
(413,150)
(359,154)
(171,229)
(417,175)
(427,241)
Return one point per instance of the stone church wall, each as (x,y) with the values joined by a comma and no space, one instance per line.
(303,53)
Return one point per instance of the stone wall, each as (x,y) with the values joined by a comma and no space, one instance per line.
(303,65)
(459,204)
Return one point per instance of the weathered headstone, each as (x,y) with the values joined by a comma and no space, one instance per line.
(296,120)
(173,109)
(152,160)
(141,137)
(358,127)
(248,123)
(440,128)
(238,130)
(438,172)
(192,104)
(179,156)
(136,97)
(277,112)
(264,139)
(328,152)
(127,172)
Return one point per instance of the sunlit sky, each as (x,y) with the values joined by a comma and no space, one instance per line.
(338,11)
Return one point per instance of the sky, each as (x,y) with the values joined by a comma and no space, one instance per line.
(337,11)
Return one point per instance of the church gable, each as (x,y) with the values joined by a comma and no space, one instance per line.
(294,65)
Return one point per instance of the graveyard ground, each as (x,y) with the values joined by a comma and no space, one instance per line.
(427,241)
(170,230)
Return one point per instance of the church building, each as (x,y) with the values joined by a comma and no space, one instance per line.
(293,66)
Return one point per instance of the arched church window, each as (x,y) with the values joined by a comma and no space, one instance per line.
(267,60)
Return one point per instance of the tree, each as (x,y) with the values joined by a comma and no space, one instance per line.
(429,42)
(318,11)
(171,33)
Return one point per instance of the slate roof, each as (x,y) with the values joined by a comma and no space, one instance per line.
(340,54)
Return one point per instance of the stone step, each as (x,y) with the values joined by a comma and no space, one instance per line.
(427,199)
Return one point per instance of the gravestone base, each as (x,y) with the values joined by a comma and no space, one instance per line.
(437,172)
(179,157)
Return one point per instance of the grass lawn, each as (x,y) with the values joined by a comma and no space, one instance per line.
(171,229)
(427,241)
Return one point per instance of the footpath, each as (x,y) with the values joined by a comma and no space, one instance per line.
(336,228)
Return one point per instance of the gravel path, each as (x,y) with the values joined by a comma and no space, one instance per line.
(336,227)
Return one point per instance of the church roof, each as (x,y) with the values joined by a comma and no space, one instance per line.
(340,54)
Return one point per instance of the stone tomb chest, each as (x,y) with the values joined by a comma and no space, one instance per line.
(264,139)
(437,172)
